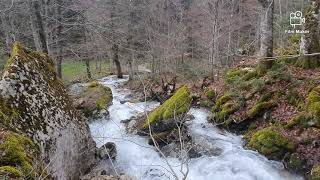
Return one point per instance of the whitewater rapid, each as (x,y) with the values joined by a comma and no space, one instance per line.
(136,158)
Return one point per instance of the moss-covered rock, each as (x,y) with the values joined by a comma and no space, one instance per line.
(178,104)
(260,108)
(10,172)
(210,94)
(94,99)
(314,105)
(315,173)
(270,143)
(296,163)
(17,153)
(303,120)
(221,100)
(34,102)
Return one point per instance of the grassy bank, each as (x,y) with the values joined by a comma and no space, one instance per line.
(76,70)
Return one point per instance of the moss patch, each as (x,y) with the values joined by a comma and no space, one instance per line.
(179,103)
(17,154)
(270,143)
(259,108)
(315,173)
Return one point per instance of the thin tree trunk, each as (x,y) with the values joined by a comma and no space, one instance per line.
(266,42)
(87,62)
(37,26)
(9,36)
(59,40)
(115,50)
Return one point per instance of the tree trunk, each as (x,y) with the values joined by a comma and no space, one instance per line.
(9,35)
(87,62)
(310,42)
(266,41)
(37,26)
(115,50)
(59,40)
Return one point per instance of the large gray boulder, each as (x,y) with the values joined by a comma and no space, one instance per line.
(33,102)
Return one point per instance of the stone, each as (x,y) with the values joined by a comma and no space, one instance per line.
(34,102)
(107,151)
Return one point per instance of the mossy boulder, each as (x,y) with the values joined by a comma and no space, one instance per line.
(296,163)
(210,94)
(314,105)
(34,102)
(315,173)
(303,120)
(270,143)
(260,108)
(17,156)
(95,100)
(178,104)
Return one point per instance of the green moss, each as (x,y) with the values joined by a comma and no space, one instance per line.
(303,120)
(226,110)
(250,75)
(9,171)
(295,162)
(270,143)
(232,74)
(94,84)
(265,97)
(315,173)
(179,103)
(259,108)
(7,114)
(210,94)
(17,151)
(221,100)
(314,104)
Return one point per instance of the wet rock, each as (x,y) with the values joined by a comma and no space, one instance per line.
(155,174)
(34,102)
(107,151)
(94,100)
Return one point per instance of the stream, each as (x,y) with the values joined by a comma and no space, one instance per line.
(137,158)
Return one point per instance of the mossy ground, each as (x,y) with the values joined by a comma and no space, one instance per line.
(271,108)
(178,104)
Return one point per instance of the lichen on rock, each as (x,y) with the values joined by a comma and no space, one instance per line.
(34,102)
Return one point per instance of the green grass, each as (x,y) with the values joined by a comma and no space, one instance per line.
(76,70)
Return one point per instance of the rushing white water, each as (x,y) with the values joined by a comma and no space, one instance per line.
(136,158)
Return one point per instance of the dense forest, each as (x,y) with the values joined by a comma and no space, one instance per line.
(160,89)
